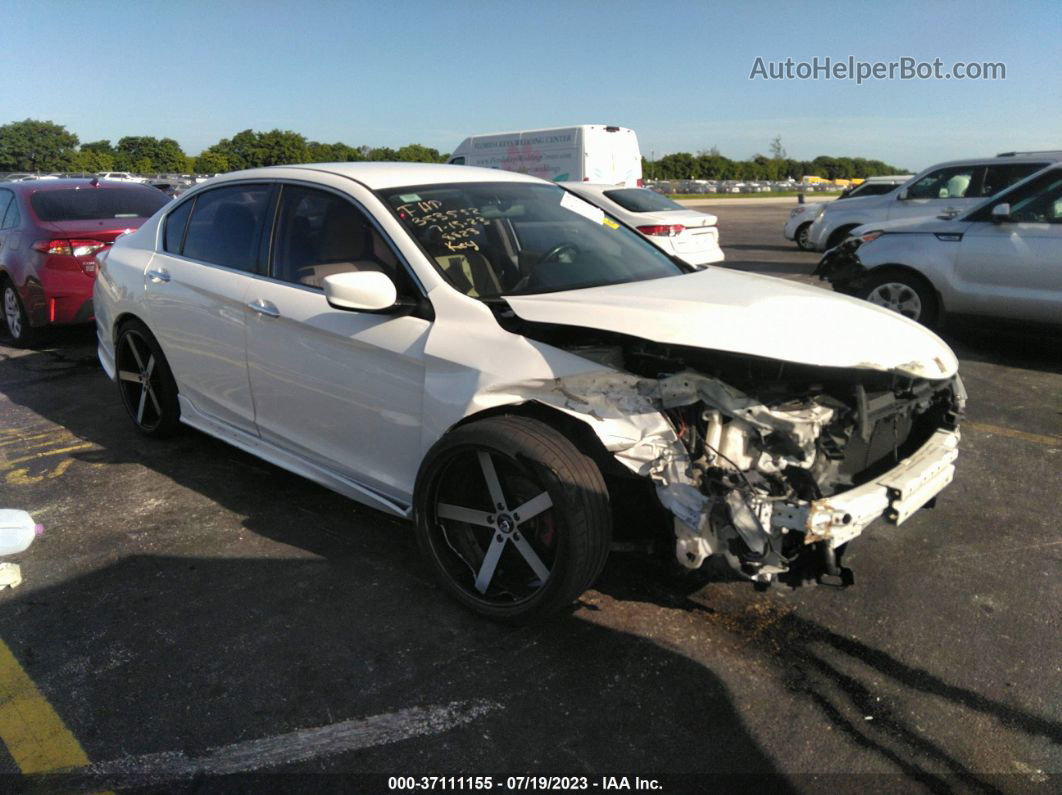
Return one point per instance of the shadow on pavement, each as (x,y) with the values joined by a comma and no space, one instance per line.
(189,637)
(839,675)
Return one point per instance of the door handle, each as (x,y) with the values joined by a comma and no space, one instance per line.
(267,308)
(158,277)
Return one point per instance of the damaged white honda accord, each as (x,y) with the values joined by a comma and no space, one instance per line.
(504,363)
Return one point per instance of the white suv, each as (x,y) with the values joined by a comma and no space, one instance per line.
(945,189)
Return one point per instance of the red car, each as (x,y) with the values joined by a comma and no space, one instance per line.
(50,233)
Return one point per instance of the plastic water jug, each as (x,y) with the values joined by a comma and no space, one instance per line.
(17,531)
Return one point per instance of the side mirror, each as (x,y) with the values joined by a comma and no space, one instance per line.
(902,195)
(360,291)
(1001,213)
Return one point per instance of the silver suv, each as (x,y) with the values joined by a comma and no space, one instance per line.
(948,189)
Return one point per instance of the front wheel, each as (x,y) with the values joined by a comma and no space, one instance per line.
(803,239)
(901,292)
(512,518)
(145,382)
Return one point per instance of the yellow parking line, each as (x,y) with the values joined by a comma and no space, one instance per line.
(1011,433)
(33,732)
(45,453)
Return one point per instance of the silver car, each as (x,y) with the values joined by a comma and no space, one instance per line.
(1003,259)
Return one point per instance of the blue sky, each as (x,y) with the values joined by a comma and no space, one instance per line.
(415,71)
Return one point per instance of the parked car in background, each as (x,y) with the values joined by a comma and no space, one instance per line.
(948,189)
(1002,259)
(50,234)
(678,230)
(120,176)
(801,216)
(494,357)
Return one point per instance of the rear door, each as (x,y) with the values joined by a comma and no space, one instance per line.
(196,287)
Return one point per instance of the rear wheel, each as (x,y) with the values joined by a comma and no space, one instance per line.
(902,292)
(802,238)
(15,318)
(512,518)
(145,382)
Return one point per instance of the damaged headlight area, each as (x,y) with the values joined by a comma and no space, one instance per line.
(765,462)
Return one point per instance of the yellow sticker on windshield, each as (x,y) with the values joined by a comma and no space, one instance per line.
(610,223)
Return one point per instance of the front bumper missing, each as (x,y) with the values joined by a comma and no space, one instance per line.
(892,496)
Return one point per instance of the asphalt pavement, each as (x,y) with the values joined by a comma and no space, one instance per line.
(191,610)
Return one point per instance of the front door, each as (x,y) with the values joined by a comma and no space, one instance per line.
(342,389)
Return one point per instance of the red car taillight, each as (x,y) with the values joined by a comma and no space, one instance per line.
(663,230)
(82,249)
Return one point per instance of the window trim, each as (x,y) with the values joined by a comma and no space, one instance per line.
(160,241)
(418,286)
(983,212)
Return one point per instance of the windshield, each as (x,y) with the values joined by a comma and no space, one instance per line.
(503,238)
(641,200)
(89,203)
(869,189)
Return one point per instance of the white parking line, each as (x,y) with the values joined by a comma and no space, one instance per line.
(284,749)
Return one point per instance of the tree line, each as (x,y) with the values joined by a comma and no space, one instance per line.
(33,145)
(712,165)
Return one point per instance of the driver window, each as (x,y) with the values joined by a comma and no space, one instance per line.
(1042,202)
(944,183)
(320,234)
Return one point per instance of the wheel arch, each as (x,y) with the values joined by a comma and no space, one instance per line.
(579,432)
(907,270)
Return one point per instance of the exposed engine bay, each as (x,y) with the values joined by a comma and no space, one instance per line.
(760,461)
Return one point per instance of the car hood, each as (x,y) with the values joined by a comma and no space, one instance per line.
(718,309)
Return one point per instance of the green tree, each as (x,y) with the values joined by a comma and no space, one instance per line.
(146,153)
(415,153)
(210,162)
(92,161)
(33,145)
(332,153)
(102,146)
(777,150)
(281,147)
(382,154)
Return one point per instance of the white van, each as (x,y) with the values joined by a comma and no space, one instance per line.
(586,153)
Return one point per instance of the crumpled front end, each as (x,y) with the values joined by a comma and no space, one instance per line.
(795,460)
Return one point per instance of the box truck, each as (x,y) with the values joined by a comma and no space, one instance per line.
(587,153)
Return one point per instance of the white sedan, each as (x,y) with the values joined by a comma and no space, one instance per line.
(507,365)
(688,234)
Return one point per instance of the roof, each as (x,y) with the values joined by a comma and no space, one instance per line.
(387,175)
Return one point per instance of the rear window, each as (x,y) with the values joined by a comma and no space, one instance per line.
(84,204)
(641,200)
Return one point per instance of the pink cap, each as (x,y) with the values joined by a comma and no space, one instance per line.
(38,529)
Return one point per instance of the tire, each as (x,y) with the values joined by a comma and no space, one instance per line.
(145,382)
(839,236)
(801,237)
(478,552)
(901,291)
(16,321)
